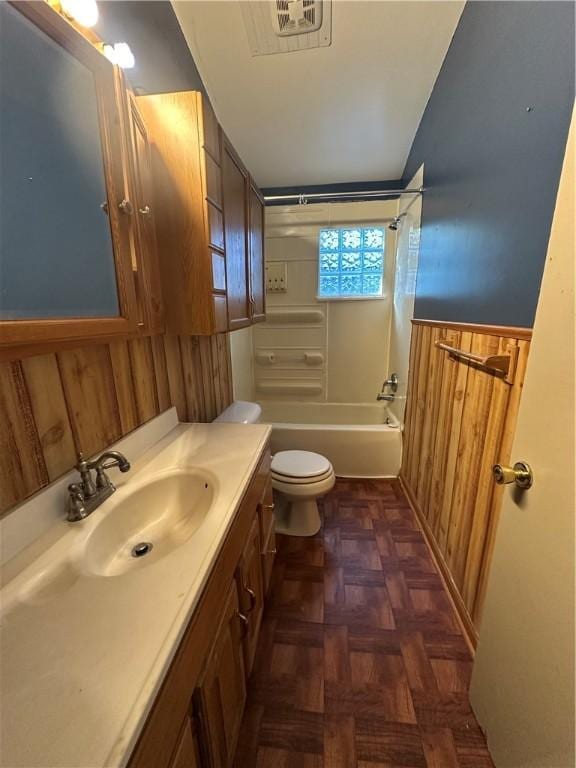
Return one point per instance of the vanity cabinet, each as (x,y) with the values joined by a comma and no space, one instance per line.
(197,714)
(187,754)
(250,585)
(221,693)
(65,244)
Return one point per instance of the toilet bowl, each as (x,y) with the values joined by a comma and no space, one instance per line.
(299,478)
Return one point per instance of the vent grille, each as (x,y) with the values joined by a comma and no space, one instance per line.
(296,17)
(286,26)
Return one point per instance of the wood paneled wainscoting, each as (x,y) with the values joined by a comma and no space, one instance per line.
(460,420)
(83,399)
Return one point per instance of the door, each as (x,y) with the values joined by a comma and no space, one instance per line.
(256,240)
(251,592)
(523,681)
(220,697)
(235,186)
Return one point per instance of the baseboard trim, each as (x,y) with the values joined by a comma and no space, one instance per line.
(468,629)
(509,331)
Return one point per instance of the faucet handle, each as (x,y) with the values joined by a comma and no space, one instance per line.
(76,508)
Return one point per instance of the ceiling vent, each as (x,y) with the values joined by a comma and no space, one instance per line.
(284,26)
(296,17)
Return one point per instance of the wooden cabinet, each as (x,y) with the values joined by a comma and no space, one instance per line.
(65,253)
(251,592)
(235,189)
(188,208)
(221,693)
(256,255)
(187,754)
(207,677)
(144,243)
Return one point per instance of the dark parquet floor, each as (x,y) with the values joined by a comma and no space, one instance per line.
(361,662)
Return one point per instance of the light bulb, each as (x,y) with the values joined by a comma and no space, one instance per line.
(85,12)
(124,56)
(119,54)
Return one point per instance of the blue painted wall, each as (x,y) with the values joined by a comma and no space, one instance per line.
(491,166)
(150,27)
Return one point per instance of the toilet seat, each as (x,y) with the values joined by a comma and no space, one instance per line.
(300,467)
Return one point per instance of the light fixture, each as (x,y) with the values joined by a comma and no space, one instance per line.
(120,54)
(85,12)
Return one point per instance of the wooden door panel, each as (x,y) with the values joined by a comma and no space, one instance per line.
(256,238)
(251,592)
(187,754)
(221,694)
(235,184)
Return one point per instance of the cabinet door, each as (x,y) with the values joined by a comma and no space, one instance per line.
(235,187)
(220,697)
(65,240)
(149,290)
(256,240)
(267,535)
(251,592)
(187,754)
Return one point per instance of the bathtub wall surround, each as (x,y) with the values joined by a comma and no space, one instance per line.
(54,405)
(407,251)
(492,138)
(242,363)
(460,420)
(309,350)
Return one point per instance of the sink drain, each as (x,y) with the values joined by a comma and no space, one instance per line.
(141,549)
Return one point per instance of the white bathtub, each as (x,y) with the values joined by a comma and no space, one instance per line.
(354,437)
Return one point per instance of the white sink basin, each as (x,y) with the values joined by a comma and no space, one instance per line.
(150,522)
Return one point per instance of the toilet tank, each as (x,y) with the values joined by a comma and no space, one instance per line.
(241,412)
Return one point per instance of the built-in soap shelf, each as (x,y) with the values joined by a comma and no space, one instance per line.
(284,387)
(270,358)
(294,316)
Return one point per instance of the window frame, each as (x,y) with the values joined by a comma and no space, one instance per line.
(352,297)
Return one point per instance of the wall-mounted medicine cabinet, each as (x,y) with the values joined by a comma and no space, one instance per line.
(76,236)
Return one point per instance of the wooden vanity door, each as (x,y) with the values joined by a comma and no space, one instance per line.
(187,754)
(220,697)
(251,592)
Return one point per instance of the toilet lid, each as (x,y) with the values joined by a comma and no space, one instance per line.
(300,464)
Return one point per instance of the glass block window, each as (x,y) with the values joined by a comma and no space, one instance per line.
(351,262)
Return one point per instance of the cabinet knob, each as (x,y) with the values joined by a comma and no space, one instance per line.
(126,207)
(145,211)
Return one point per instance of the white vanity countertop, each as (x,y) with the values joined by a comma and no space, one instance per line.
(83,656)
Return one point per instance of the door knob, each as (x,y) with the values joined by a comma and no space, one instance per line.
(126,207)
(520,473)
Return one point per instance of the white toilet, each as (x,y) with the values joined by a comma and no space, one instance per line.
(298,477)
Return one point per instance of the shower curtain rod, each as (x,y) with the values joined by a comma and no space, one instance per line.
(302,198)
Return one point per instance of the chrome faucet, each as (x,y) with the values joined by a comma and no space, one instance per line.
(392,384)
(84,497)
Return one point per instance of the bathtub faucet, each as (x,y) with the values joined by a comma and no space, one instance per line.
(391,384)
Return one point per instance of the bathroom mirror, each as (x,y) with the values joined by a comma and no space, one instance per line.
(61,235)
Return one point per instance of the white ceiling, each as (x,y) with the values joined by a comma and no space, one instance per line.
(348,112)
